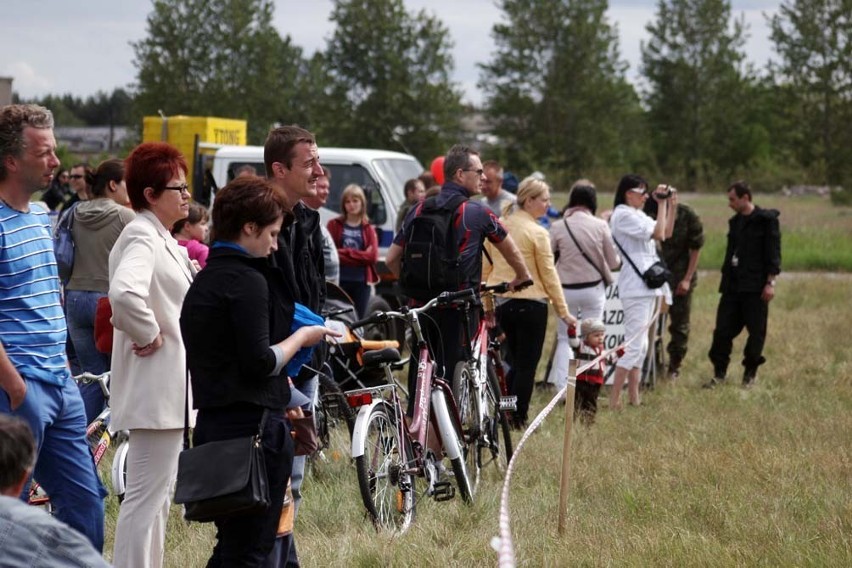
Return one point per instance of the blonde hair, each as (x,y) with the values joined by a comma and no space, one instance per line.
(354,190)
(530,188)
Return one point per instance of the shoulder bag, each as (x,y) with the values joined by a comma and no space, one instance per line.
(589,260)
(221,479)
(656,275)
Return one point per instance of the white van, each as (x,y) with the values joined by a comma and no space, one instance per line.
(381,173)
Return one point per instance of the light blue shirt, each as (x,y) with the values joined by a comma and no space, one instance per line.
(32,324)
(31,537)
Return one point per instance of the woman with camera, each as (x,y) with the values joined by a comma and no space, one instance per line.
(636,234)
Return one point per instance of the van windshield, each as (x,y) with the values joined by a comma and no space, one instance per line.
(396,172)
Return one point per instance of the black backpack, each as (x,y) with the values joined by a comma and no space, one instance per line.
(430,261)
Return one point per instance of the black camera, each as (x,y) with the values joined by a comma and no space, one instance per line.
(665,194)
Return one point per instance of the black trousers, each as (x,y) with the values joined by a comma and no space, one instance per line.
(586,401)
(679,313)
(735,312)
(247,540)
(525,325)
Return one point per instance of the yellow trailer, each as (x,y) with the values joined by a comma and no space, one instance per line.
(196,137)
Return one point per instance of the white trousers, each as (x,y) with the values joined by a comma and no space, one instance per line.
(582,303)
(637,316)
(151,469)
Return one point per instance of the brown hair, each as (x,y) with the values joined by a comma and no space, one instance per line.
(13,120)
(281,143)
(17,450)
(247,199)
(354,190)
(197,214)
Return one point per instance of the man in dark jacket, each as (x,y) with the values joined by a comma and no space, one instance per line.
(291,158)
(752,263)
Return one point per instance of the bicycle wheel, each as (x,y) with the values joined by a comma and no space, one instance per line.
(467,399)
(451,437)
(497,441)
(119,470)
(387,492)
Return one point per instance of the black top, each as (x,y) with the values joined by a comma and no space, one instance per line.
(300,257)
(755,241)
(236,308)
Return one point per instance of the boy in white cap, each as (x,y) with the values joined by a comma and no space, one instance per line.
(589,382)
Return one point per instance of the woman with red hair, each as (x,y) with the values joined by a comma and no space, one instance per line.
(149,274)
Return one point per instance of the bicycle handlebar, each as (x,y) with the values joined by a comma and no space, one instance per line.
(443,298)
(503,287)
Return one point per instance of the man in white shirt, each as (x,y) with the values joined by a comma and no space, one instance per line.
(493,195)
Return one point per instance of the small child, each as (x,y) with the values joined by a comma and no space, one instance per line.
(589,382)
(192,232)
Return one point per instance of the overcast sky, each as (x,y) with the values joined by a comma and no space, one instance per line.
(82,46)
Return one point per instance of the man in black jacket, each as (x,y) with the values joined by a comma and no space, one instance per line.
(752,263)
(291,158)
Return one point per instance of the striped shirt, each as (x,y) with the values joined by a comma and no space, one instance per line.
(32,324)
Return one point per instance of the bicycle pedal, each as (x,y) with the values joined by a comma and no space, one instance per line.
(443,491)
(509,402)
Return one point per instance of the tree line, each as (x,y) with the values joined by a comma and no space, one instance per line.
(555,87)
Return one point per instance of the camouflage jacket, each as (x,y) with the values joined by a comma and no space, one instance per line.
(688,235)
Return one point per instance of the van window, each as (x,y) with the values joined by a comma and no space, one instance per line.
(395,172)
(343,175)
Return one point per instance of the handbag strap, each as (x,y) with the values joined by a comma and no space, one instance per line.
(186,444)
(589,260)
(626,256)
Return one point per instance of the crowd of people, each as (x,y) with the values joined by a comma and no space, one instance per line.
(221,320)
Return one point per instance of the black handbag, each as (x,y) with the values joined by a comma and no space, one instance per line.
(656,275)
(221,479)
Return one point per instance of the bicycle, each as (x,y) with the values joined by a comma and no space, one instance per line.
(389,451)
(482,399)
(100,436)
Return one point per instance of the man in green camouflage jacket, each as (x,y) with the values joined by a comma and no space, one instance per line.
(680,252)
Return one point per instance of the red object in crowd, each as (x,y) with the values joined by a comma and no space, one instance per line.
(437,169)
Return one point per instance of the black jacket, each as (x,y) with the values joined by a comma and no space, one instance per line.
(300,258)
(236,308)
(755,241)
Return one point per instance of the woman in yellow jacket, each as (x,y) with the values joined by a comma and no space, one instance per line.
(523,314)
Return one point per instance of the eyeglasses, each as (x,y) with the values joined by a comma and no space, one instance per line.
(478,172)
(75,176)
(638,190)
(183,188)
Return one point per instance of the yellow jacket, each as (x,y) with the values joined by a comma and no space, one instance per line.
(533,241)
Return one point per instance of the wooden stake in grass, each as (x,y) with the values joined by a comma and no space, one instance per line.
(566,443)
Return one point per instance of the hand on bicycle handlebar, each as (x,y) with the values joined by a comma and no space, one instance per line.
(519,284)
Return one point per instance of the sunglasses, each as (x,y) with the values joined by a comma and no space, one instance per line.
(76,176)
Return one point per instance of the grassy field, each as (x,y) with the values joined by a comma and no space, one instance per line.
(815,235)
(691,478)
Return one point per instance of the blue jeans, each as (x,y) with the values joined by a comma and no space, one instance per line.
(80,309)
(65,467)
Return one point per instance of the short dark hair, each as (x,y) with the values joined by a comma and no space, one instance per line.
(583,194)
(197,214)
(627,182)
(17,450)
(281,143)
(13,120)
(151,164)
(244,200)
(458,158)
(427,178)
(741,188)
(107,171)
(411,185)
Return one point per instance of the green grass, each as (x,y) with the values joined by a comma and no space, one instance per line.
(726,477)
(815,235)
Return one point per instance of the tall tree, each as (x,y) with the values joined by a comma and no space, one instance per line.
(218,57)
(390,71)
(698,90)
(813,41)
(556,90)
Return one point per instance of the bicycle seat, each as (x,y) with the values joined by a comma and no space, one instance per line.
(380,357)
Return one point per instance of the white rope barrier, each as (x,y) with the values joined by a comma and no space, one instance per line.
(503,543)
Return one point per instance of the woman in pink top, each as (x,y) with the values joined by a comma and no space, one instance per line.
(192,232)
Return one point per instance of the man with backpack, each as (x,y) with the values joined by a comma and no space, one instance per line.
(439,248)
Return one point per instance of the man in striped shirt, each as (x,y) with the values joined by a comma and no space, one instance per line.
(33,367)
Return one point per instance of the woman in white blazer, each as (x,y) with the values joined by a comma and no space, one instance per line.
(149,274)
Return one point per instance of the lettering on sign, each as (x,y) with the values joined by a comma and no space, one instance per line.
(226,136)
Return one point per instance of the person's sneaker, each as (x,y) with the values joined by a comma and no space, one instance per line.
(749,378)
(713,383)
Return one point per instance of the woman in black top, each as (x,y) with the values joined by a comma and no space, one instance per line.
(236,323)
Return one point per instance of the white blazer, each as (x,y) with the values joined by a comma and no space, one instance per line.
(149,275)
